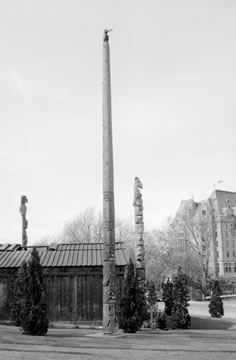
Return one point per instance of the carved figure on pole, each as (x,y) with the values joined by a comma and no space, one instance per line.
(23,211)
(139,227)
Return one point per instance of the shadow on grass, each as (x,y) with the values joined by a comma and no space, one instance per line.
(204,323)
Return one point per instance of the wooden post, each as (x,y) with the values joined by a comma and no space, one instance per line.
(23,211)
(139,230)
(109,266)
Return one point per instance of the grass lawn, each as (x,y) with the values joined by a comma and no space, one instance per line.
(207,339)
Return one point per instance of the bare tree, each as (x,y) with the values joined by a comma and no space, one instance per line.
(88,227)
(190,265)
(158,255)
(198,239)
(124,232)
(85,228)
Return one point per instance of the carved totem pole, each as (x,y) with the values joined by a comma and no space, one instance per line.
(23,211)
(109,266)
(139,229)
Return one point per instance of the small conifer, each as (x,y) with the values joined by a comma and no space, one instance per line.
(179,314)
(133,308)
(18,295)
(167,296)
(216,308)
(29,303)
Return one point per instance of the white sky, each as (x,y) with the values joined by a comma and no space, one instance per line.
(173,66)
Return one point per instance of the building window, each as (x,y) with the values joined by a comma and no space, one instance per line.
(233,253)
(218,268)
(235,267)
(228,267)
(216,233)
(227,243)
(217,253)
(203,212)
(227,254)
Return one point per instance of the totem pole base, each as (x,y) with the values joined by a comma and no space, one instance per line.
(109,320)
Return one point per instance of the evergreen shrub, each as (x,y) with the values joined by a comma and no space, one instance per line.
(28,301)
(167,296)
(179,313)
(18,296)
(133,307)
(216,308)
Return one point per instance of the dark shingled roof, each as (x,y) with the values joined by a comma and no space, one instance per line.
(56,255)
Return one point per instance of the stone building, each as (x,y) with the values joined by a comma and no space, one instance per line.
(212,224)
(223,204)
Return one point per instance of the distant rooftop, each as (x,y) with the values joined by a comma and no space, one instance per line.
(186,206)
(221,198)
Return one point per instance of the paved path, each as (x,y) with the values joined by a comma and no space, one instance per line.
(201,308)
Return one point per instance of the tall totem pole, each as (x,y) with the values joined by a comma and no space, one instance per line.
(139,229)
(23,211)
(109,266)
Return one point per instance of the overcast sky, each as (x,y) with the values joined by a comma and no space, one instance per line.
(173,65)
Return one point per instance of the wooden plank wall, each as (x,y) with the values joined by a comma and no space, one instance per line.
(73,294)
(76,297)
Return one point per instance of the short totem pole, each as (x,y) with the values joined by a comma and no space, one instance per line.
(109,265)
(139,229)
(23,211)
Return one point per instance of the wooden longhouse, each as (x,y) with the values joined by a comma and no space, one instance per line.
(73,278)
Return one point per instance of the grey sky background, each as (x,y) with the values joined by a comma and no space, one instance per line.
(173,69)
